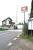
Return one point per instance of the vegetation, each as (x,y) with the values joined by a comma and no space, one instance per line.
(30,38)
(25,29)
(2,29)
(24,34)
(31,14)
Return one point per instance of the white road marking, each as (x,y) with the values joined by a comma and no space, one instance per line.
(9,44)
(14,38)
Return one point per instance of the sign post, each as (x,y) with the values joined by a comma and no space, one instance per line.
(24,9)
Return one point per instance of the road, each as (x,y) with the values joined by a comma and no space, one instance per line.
(6,38)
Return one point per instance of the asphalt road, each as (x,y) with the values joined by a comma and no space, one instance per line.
(6,38)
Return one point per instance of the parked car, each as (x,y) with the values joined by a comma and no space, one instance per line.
(15,27)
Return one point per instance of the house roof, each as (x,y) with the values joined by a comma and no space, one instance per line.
(6,19)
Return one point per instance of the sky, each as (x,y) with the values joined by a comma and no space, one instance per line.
(12,9)
(20,14)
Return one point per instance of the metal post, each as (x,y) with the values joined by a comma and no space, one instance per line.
(24,17)
(31,27)
(24,22)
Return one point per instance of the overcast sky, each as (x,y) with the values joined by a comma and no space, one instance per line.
(8,8)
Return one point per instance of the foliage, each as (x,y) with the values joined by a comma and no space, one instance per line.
(1,29)
(31,14)
(20,23)
(25,29)
(24,35)
(30,38)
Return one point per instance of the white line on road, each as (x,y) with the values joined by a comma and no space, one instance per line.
(15,39)
(9,44)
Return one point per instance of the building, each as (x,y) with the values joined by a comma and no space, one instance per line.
(30,21)
(30,26)
(8,22)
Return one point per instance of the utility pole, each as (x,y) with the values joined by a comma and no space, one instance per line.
(24,22)
(24,17)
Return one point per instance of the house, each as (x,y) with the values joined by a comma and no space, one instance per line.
(30,26)
(8,22)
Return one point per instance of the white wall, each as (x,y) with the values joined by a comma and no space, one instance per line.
(30,25)
(20,26)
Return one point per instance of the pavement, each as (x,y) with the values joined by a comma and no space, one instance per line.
(23,44)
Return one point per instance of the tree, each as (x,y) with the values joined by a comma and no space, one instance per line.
(19,23)
(31,14)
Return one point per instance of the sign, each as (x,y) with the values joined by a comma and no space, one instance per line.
(25,8)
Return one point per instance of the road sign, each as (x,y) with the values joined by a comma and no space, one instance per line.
(24,8)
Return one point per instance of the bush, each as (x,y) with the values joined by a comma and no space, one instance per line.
(25,29)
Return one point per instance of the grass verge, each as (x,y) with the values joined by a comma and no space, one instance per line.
(30,38)
(1,29)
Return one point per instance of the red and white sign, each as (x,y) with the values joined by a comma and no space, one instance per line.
(25,8)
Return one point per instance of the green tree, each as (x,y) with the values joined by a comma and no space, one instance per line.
(19,23)
(31,14)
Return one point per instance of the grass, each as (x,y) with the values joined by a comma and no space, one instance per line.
(2,29)
(30,38)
